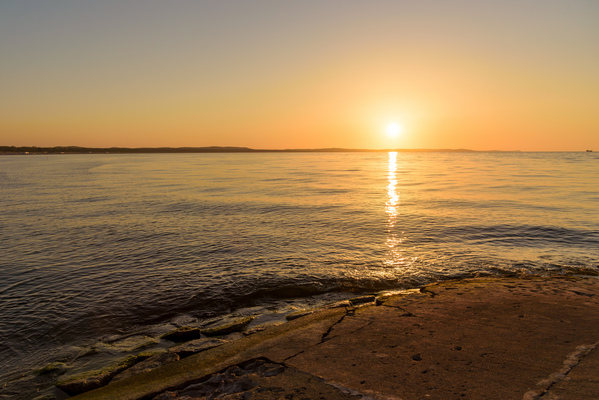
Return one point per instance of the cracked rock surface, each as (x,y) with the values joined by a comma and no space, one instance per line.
(258,379)
(471,339)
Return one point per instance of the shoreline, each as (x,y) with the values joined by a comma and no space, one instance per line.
(94,354)
(303,345)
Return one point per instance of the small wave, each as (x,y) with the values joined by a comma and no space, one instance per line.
(515,235)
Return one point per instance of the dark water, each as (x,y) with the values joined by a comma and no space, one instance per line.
(98,245)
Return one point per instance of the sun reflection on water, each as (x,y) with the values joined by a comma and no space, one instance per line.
(393,241)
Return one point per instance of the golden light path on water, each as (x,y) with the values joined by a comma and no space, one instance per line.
(393,241)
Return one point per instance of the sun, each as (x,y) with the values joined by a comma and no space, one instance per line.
(393,129)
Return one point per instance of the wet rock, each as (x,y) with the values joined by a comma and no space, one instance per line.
(236,326)
(52,367)
(124,345)
(88,352)
(362,299)
(183,320)
(260,328)
(135,343)
(147,354)
(183,334)
(256,329)
(296,315)
(147,365)
(196,346)
(87,381)
(338,304)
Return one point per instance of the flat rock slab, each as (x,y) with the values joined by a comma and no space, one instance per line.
(94,379)
(194,368)
(147,365)
(474,339)
(196,346)
(235,326)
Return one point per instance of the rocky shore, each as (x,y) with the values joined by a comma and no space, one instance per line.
(531,338)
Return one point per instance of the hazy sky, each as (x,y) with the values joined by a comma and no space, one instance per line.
(484,74)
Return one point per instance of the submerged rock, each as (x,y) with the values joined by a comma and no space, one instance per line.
(147,354)
(88,352)
(147,365)
(182,334)
(236,326)
(132,343)
(121,345)
(52,367)
(196,346)
(90,380)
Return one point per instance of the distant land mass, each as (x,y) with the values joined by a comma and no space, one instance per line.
(211,149)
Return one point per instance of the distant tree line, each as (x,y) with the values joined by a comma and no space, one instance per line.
(211,149)
(77,149)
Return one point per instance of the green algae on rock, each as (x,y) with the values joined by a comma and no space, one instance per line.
(127,344)
(90,380)
(147,354)
(52,367)
(235,326)
(149,364)
(196,346)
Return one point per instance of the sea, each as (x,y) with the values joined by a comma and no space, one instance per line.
(101,254)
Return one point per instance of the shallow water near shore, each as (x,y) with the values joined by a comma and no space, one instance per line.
(98,248)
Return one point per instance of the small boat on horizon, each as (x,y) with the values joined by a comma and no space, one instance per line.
(589,151)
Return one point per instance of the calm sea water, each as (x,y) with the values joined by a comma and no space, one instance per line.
(94,246)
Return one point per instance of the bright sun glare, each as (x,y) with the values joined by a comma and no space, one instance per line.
(393,129)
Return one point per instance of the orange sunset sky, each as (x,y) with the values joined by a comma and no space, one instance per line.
(482,75)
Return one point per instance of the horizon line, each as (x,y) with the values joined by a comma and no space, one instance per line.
(222,149)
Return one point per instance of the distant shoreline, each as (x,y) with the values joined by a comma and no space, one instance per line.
(14,150)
